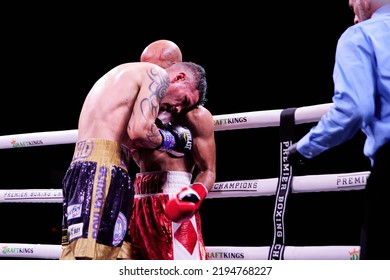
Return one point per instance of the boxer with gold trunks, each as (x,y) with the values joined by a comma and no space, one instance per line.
(95,220)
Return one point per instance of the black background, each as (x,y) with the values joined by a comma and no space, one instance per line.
(274,56)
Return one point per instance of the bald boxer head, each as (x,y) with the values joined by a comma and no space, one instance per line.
(164,53)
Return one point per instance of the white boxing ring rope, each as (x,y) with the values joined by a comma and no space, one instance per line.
(239,188)
(222,122)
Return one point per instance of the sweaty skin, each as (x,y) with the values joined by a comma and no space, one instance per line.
(152,233)
(200,122)
(134,106)
(163,53)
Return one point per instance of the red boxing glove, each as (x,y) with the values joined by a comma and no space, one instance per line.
(184,205)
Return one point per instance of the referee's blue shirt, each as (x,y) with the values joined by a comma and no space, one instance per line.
(361,98)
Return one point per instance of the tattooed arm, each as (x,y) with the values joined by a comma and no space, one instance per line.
(142,129)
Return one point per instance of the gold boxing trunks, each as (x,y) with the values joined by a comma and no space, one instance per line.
(98,195)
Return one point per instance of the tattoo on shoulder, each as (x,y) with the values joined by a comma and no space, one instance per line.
(159,83)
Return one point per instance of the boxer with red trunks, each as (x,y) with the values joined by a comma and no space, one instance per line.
(153,235)
(166,222)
